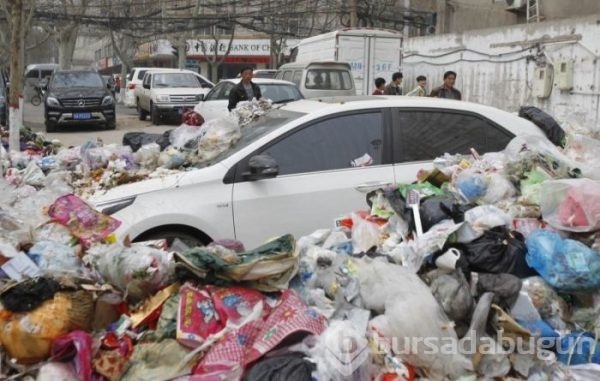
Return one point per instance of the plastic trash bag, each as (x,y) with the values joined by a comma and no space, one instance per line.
(545,122)
(136,140)
(76,345)
(54,258)
(485,217)
(572,205)
(565,264)
(498,189)
(551,307)
(53,371)
(578,348)
(471,184)
(171,158)
(147,156)
(186,136)
(505,287)
(452,291)
(33,175)
(365,234)
(140,271)
(584,151)
(584,372)
(220,134)
(497,251)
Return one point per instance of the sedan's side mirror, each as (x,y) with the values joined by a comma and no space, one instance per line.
(261,167)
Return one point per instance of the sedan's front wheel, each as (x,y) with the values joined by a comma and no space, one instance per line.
(154,115)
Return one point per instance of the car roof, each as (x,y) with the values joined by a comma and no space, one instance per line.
(260,81)
(340,104)
(305,65)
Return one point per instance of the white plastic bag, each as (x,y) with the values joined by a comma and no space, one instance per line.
(365,234)
(219,136)
(55,258)
(485,217)
(147,155)
(33,175)
(186,136)
(171,158)
(571,205)
(498,189)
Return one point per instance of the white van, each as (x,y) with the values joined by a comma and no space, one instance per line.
(319,79)
(136,76)
(34,74)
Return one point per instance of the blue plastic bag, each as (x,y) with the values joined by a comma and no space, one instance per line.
(578,348)
(565,264)
(471,185)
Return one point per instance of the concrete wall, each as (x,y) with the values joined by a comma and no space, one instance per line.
(496,66)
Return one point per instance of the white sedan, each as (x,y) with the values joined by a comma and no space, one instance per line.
(294,169)
(214,104)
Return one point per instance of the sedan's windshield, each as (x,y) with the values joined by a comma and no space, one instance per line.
(265,124)
(175,80)
(280,93)
(76,79)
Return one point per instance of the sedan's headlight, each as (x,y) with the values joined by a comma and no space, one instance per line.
(112,207)
(107,101)
(162,98)
(52,101)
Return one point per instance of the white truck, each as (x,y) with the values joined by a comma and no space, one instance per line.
(371,53)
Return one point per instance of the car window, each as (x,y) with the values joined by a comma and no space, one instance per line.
(147,80)
(47,73)
(214,93)
(297,77)
(32,74)
(330,144)
(227,87)
(76,79)
(204,84)
(141,73)
(428,134)
(279,93)
(328,79)
(287,75)
(175,80)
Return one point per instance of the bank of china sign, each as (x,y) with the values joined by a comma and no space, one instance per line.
(238,47)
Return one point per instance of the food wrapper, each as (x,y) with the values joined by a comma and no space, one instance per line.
(84,222)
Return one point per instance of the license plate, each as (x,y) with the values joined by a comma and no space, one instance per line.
(82,116)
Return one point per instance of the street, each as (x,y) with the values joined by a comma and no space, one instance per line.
(127,121)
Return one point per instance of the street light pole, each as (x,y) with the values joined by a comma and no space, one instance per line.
(17,47)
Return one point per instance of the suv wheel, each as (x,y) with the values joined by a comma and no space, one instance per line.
(142,114)
(154,115)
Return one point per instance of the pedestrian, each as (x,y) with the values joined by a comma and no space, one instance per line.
(394,87)
(447,90)
(419,91)
(246,90)
(117,84)
(379,86)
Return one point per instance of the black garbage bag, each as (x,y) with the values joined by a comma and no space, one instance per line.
(506,288)
(435,209)
(29,294)
(164,140)
(497,251)
(136,140)
(288,367)
(545,122)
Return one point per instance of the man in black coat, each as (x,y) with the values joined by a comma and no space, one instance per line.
(245,90)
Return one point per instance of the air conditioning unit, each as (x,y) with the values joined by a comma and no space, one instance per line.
(514,5)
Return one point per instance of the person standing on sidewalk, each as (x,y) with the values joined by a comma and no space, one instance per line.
(447,90)
(394,87)
(419,91)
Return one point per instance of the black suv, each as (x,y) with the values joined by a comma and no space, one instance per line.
(78,97)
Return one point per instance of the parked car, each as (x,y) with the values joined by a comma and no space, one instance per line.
(310,180)
(34,75)
(167,93)
(78,97)
(214,104)
(262,73)
(319,79)
(136,77)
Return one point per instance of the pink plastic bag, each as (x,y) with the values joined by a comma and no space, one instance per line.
(82,220)
(76,345)
(571,205)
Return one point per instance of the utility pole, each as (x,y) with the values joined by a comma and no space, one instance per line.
(353,14)
(17,56)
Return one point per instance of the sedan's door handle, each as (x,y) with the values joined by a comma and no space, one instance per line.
(371,186)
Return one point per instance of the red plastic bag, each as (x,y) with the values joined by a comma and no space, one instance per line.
(85,223)
(571,205)
(76,345)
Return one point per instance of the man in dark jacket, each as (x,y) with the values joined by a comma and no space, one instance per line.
(447,90)
(245,90)
(394,87)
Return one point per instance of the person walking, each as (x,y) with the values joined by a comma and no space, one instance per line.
(419,91)
(394,87)
(447,90)
(379,86)
(246,90)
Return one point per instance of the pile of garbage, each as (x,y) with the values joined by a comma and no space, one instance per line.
(487,266)
(95,166)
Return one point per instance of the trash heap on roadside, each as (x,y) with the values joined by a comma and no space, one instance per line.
(95,166)
(434,280)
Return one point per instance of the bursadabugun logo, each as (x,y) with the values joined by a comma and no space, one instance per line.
(346,348)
